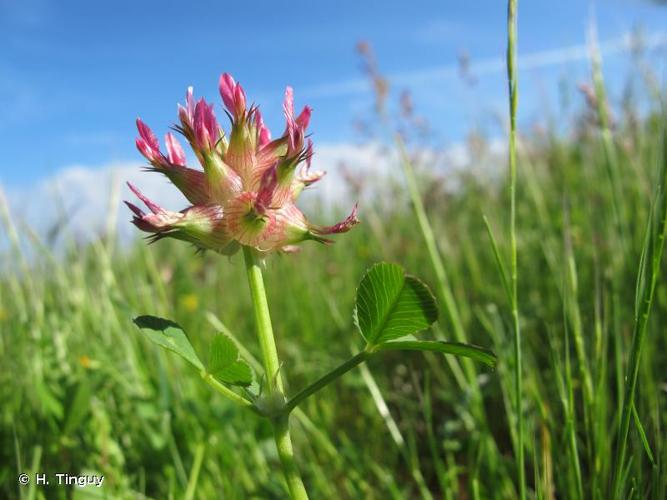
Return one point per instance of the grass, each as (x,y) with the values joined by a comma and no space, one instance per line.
(81,391)
(513,87)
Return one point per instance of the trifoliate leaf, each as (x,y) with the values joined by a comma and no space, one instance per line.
(225,364)
(169,335)
(391,304)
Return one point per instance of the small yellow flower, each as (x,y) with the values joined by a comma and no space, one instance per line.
(84,361)
(190,302)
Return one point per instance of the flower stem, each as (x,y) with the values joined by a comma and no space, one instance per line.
(274,381)
(263,319)
(286,453)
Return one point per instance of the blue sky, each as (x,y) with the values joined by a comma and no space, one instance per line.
(74,74)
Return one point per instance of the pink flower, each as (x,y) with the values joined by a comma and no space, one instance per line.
(246,192)
(232,95)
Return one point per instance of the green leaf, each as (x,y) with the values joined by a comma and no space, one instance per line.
(642,435)
(467,350)
(169,335)
(391,304)
(222,353)
(225,364)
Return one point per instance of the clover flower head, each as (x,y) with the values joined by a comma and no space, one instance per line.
(245,192)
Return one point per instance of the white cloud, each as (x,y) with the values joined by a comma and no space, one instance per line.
(490,66)
(88,198)
(439,30)
(83,201)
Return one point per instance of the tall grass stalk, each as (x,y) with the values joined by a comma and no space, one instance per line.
(194,472)
(426,229)
(442,279)
(518,364)
(610,154)
(465,371)
(647,279)
(394,431)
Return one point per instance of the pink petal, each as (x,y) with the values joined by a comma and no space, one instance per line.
(342,227)
(146,150)
(205,125)
(186,113)
(304,117)
(232,94)
(147,142)
(264,134)
(288,105)
(153,207)
(295,139)
(308,154)
(175,152)
(135,209)
(226,86)
(190,100)
(239,98)
(296,127)
(267,188)
(308,178)
(139,218)
(147,135)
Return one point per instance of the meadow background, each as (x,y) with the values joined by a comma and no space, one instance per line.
(82,391)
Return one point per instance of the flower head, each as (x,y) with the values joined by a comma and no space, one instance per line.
(245,192)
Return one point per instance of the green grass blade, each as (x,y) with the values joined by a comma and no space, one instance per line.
(642,436)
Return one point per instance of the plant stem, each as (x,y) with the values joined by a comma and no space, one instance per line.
(274,381)
(513,100)
(267,341)
(194,472)
(326,380)
(226,392)
(286,453)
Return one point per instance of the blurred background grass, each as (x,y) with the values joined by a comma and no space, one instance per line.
(82,391)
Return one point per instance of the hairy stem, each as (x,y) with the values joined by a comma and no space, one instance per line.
(274,382)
